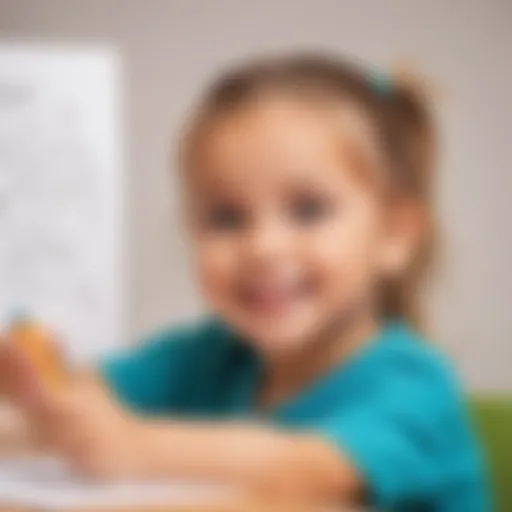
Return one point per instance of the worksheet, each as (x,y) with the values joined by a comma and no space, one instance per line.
(48,483)
(61,192)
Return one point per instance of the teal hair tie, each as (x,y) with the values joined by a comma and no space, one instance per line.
(380,83)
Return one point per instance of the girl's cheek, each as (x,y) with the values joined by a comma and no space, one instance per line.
(343,252)
(216,266)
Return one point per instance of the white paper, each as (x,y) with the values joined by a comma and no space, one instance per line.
(48,483)
(60,192)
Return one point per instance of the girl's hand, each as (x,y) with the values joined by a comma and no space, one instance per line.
(81,422)
(93,433)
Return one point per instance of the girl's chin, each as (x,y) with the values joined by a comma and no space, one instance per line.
(280,337)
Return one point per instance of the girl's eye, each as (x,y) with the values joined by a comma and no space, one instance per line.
(310,210)
(226,218)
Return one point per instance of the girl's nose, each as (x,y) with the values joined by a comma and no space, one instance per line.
(266,242)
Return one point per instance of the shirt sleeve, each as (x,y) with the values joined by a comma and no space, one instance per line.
(411,442)
(154,376)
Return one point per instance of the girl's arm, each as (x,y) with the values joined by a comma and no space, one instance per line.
(264,460)
(100,437)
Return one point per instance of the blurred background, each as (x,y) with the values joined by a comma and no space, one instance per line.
(160,55)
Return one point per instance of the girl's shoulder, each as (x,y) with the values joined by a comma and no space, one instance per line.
(402,343)
(402,355)
(404,408)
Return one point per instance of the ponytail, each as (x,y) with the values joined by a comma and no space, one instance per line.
(410,130)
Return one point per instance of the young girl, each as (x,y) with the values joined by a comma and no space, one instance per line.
(308,187)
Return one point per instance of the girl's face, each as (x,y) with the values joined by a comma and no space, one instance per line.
(288,238)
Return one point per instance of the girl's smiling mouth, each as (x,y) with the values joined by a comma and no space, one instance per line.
(274,297)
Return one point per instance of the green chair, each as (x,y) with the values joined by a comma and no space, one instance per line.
(493,420)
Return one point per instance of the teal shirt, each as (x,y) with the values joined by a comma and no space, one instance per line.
(394,409)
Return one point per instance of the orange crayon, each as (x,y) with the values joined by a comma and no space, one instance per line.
(40,348)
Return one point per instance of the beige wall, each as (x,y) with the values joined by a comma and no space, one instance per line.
(169,48)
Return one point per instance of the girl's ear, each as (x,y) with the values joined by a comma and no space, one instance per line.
(404,226)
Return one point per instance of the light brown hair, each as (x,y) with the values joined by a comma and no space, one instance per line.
(399,116)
